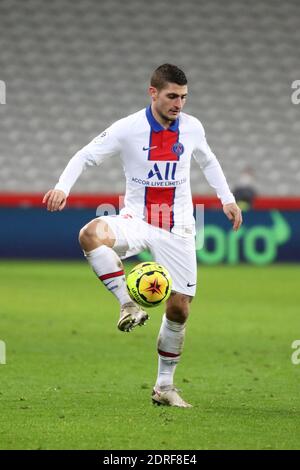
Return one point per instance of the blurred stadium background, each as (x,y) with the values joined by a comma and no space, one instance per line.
(71,69)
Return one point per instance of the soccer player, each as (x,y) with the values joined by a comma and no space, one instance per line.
(155,145)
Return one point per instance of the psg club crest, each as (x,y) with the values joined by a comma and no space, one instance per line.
(178,149)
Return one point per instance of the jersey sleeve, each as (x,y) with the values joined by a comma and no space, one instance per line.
(104,146)
(210,166)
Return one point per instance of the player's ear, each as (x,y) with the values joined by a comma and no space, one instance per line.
(153,92)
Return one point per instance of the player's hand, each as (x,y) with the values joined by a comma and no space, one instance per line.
(55,200)
(234,214)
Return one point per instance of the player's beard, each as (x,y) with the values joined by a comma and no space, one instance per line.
(167,118)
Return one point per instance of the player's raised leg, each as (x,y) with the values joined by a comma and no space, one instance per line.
(170,345)
(97,240)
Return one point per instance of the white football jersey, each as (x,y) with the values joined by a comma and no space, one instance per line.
(156,163)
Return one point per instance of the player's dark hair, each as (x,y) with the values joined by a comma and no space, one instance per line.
(167,73)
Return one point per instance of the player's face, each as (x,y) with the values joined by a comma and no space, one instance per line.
(169,102)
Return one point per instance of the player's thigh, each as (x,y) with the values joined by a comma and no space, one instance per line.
(178,255)
(100,229)
(128,233)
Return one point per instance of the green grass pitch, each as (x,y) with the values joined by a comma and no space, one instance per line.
(73,381)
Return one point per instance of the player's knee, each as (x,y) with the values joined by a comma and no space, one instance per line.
(177,313)
(94,234)
(178,307)
(86,235)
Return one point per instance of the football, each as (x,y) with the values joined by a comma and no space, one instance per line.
(149,284)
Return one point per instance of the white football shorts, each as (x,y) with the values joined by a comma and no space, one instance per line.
(177,253)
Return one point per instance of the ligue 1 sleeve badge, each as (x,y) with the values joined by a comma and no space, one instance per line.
(178,149)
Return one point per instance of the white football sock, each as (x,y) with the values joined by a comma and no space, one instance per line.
(169,347)
(108,267)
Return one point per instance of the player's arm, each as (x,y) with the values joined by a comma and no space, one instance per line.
(101,148)
(216,179)
(56,198)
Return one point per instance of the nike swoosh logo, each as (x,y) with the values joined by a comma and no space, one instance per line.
(150,148)
(190,285)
